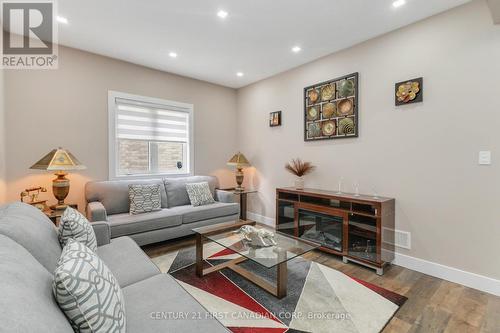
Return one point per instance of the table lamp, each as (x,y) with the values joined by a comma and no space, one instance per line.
(239,160)
(59,160)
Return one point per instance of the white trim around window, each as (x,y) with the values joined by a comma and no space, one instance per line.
(162,126)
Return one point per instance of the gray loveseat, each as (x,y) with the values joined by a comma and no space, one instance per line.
(108,201)
(29,251)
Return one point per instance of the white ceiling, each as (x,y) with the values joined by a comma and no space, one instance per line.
(256,38)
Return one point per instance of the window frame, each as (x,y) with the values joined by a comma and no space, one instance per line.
(112,140)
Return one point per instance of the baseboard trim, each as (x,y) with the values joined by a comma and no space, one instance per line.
(260,219)
(468,279)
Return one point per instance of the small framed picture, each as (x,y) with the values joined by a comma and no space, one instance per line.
(408,92)
(275,119)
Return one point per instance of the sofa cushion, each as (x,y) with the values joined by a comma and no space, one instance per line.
(193,214)
(127,261)
(87,291)
(76,226)
(149,300)
(113,194)
(33,230)
(126,224)
(26,300)
(144,198)
(176,188)
(199,194)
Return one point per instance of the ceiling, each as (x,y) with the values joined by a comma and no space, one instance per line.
(255,38)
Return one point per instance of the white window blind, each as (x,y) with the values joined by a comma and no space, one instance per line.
(149,136)
(141,121)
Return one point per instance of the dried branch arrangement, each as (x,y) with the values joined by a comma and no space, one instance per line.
(299,168)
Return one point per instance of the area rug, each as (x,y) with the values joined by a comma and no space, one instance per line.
(319,299)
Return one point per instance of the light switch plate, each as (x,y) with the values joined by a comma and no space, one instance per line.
(485,157)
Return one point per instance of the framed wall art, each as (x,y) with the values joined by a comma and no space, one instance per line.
(331,109)
(275,119)
(408,92)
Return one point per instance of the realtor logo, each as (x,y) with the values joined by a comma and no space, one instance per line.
(29,35)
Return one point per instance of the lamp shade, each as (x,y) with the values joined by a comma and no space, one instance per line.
(58,160)
(239,160)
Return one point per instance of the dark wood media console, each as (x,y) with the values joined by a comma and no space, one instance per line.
(359,228)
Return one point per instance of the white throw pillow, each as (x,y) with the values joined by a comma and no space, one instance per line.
(74,225)
(144,198)
(87,292)
(199,194)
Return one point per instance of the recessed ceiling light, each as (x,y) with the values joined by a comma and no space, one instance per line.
(398,3)
(240,74)
(172,55)
(296,49)
(61,19)
(222,14)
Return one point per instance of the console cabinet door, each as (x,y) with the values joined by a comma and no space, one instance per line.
(325,229)
(363,238)
(285,217)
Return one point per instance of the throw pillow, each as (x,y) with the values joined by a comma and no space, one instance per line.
(144,198)
(199,194)
(74,225)
(87,292)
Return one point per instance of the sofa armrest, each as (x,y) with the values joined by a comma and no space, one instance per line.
(224,196)
(102,232)
(96,212)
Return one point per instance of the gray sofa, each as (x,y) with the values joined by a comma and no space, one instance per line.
(108,201)
(29,251)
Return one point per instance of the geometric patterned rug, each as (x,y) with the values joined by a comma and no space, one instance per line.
(319,299)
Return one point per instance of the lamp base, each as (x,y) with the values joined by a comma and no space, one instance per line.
(239,179)
(60,188)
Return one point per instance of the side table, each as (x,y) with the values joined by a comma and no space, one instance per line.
(243,199)
(55,215)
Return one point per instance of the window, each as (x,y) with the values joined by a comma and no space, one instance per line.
(149,136)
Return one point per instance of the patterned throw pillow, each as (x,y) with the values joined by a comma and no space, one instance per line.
(87,292)
(199,194)
(144,198)
(75,225)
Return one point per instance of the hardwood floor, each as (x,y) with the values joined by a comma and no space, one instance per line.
(433,305)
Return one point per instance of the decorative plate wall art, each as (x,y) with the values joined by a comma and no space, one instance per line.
(328,127)
(331,109)
(346,126)
(328,92)
(408,92)
(313,96)
(346,107)
(314,129)
(312,113)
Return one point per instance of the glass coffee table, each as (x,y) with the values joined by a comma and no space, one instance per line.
(286,248)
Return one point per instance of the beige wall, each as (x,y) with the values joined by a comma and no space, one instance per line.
(425,155)
(3,189)
(68,107)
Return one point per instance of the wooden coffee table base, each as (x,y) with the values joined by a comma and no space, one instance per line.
(278,290)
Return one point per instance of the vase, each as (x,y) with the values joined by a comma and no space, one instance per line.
(299,183)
